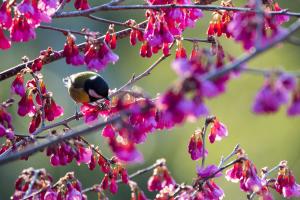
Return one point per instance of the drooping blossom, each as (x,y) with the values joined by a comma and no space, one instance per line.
(195,146)
(244,25)
(272,95)
(98,57)
(204,172)
(5,15)
(4,42)
(17,86)
(279,19)
(294,107)
(286,185)
(125,149)
(71,52)
(52,110)
(220,20)
(21,30)
(212,191)
(218,131)
(161,178)
(81,4)
(8,133)
(235,173)
(26,106)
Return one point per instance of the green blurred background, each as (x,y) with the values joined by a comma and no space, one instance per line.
(266,139)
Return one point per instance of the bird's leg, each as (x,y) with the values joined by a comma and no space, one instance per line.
(76,111)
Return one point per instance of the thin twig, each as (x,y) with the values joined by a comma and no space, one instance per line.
(224,160)
(67,31)
(113,22)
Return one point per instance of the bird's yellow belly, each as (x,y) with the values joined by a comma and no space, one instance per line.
(79,95)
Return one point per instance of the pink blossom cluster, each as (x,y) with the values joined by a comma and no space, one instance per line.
(164,25)
(96,55)
(277,91)
(28,14)
(36,101)
(244,26)
(186,99)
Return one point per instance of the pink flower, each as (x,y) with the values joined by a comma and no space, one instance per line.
(208,171)
(5,117)
(4,42)
(250,182)
(108,131)
(294,107)
(243,28)
(89,112)
(50,195)
(84,155)
(161,178)
(21,30)
(270,97)
(212,191)
(71,52)
(73,193)
(8,133)
(125,150)
(196,146)
(17,86)
(34,123)
(26,106)
(286,185)
(113,186)
(98,59)
(235,173)
(217,132)
(81,4)
(5,15)
(52,110)
(280,19)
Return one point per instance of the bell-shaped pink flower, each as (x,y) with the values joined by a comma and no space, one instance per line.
(4,42)
(218,131)
(17,86)
(5,16)
(21,30)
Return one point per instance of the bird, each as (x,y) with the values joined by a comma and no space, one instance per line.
(86,87)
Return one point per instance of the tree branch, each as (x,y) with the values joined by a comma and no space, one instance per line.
(107,7)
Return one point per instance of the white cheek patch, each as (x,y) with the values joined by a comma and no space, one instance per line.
(94,94)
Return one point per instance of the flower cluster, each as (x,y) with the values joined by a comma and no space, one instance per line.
(164,25)
(220,20)
(39,177)
(246,174)
(44,106)
(186,99)
(161,178)
(217,132)
(276,92)
(65,152)
(244,27)
(96,55)
(28,14)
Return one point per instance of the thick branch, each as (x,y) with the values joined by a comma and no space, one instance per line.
(165,6)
